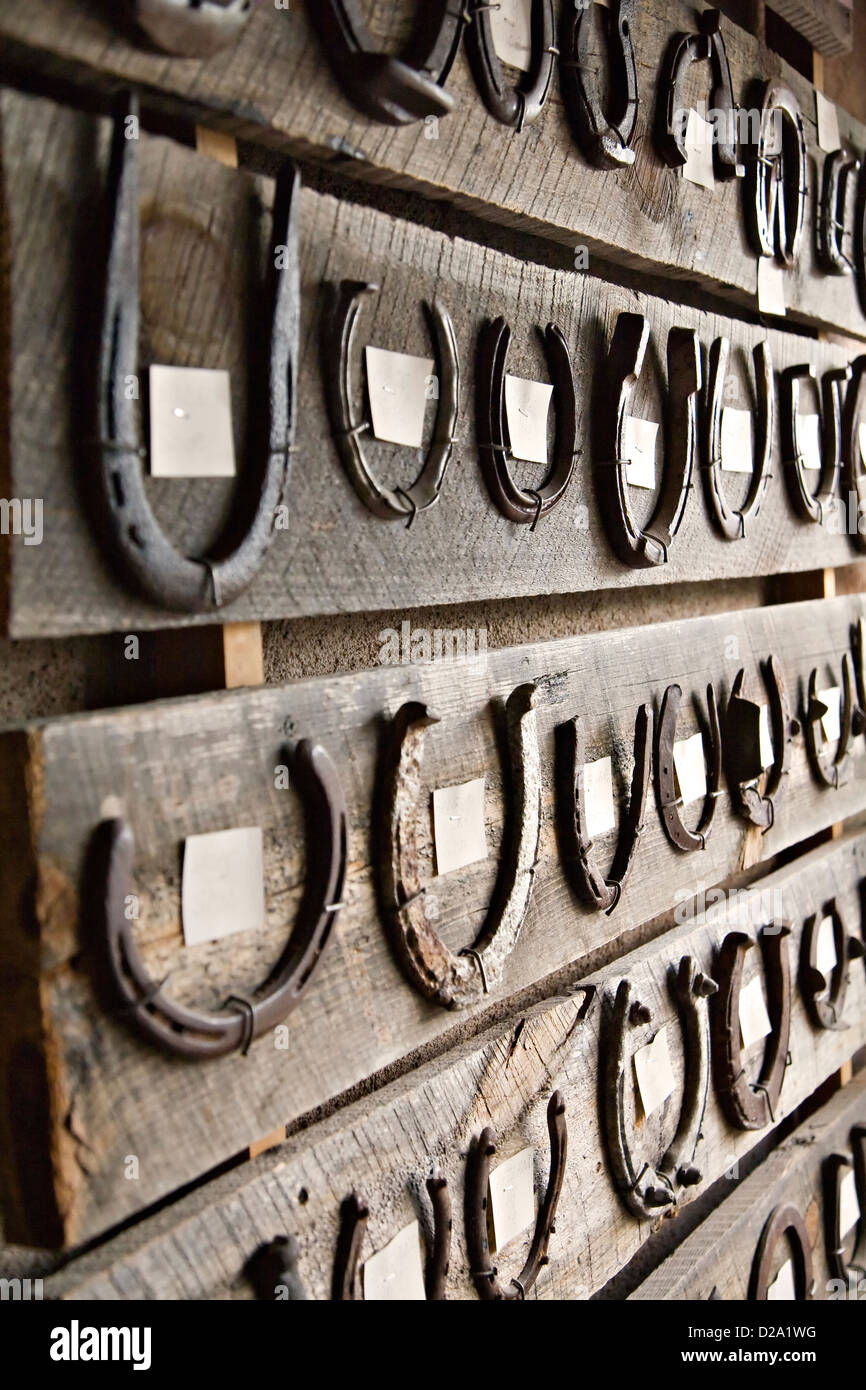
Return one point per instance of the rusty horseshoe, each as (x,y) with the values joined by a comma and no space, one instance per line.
(669,802)
(729,522)
(814,507)
(832,771)
(354,1215)
(836,1168)
(853,467)
(605,136)
(784,1221)
(778,185)
(824,995)
(684,50)
(192,28)
(758,789)
(841,169)
(751,1104)
(520,105)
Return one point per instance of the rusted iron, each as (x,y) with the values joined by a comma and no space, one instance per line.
(814,507)
(273,1272)
(778,185)
(785,1222)
(756,791)
(604,134)
(832,770)
(192,28)
(731,523)
(669,801)
(841,171)
(684,50)
(354,1215)
(835,1169)
(519,105)
(853,468)
(824,996)
(751,1104)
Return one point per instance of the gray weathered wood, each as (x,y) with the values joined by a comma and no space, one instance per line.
(827,24)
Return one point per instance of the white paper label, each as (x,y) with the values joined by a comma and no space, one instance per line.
(397,1272)
(223,885)
(397,385)
(654,1073)
(828,124)
(771,288)
(640,440)
(754,1020)
(190,423)
(809,441)
(849,1206)
(511,29)
(783,1288)
(458,826)
(765,738)
(691,769)
(832,721)
(598,797)
(698,167)
(527,406)
(825,949)
(512,1197)
(737,446)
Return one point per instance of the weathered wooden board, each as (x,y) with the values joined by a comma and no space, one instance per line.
(275,87)
(827,24)
(720,1253)
(177,768)
(383,1146)
(202,226)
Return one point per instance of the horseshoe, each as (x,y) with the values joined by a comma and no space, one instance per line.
(833,772)
(731,523)
(338,327)
(604,138)
(192,28)
(393,90)
(854,470)
(520,105)
(840,168)
(494,444)
(751,1104)
(860,240)
(785,1220)
(604,891)
(776,203)
(650,546)
(646,1190)
(742,744)
(666,791)
(835,1169)
(484,1275)
(808,505)
(354,1215)
(135,538)
(184,1031)
(273,1272)
(686,49)
(454,981)
(827,1012)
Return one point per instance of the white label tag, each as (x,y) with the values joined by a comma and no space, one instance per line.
(832,721)
(849,1206)
(654,1073)
(458,826)
(640,440)
(809,441)
(698,167)
(828,124)
(223,885)
(825,950)
(754,1020)
(737,446)
(765,738)
(527,406)
(512,1197)
(783,1288)
(397,386)
(691,769)
(396,1273)
(771,288)
(598,797)
(190,423)
(511,28)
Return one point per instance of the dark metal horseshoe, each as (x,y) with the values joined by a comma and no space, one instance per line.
(354,1215)
(808,505)
(395,90)
(835,1169)
(685,49)
(833,772)
(338,327)
(520,105)
(483,1147)
(840,169)
(742,745)
(197,1035)
(643,548)
(731,523)
(853,468)
(427,962)
(666,791)
(604,891)
(644,1189)
(751,1104)
(860,238)
(777,190)
(192,28)
(494,444)
(604,136)
(135,538)
(825,998)
(784,1220)
(273,1272)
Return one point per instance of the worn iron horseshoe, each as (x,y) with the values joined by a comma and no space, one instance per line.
(669,802)
(192,28)
(604,136)
(732,523)
(824,996)
(751,1104)
(832,772)
(835,1169)
(776,195)
(338,328)
(520,105)
(395,90)
(494,444)
(853,467)
(840,169)
(785,1220)
(454,981)
(354,1215)
(604,891)
(808,505)
(484,1275)
(134,536)
(742,744)
(187,1032)
(686,49)
(644,1189)
(645,547)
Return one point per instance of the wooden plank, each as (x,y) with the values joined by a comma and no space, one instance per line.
(334,556)
(275,88)
(382,1147)
(825,23)
(719,1254)
(202,764)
